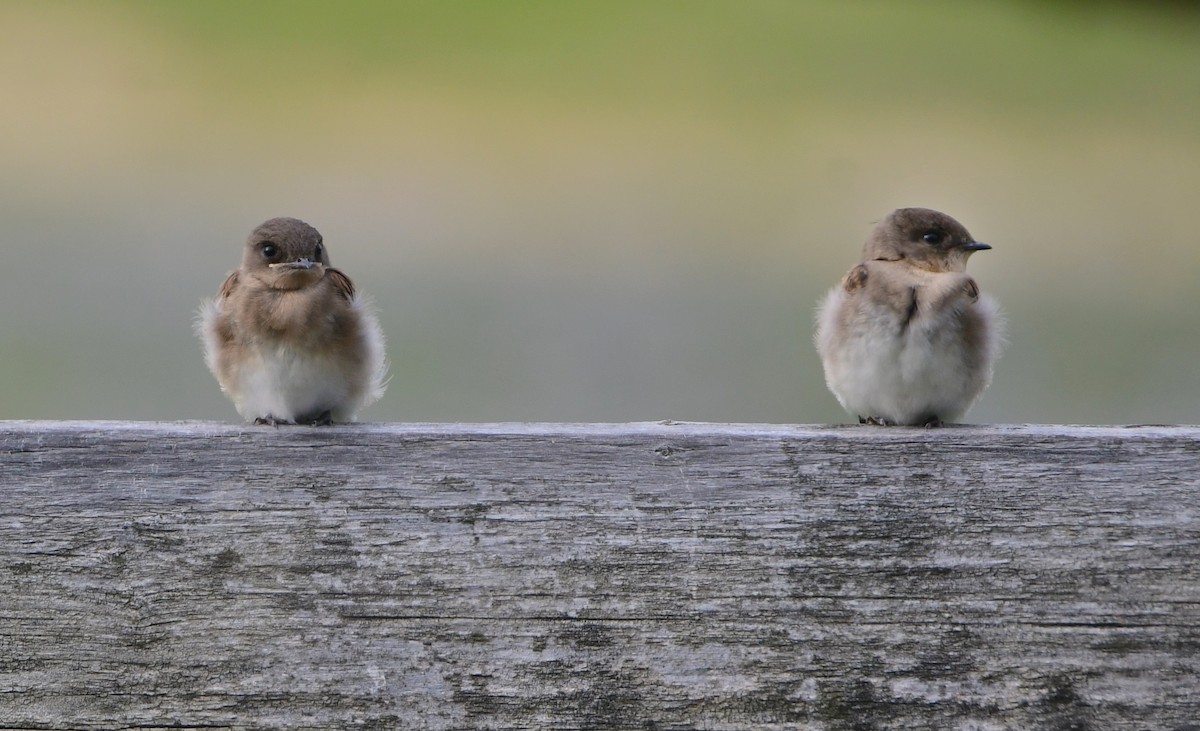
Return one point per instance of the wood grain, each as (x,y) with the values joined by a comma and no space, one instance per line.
(598,576)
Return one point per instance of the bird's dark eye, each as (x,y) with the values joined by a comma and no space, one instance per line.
(932,237)
(270,250)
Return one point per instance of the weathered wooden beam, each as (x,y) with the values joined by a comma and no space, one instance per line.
(593,576)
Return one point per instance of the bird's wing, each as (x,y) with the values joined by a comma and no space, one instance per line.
(228,285)
(341,283)
(855,279)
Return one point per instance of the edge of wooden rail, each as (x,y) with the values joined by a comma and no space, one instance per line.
(601,429)
(604,427)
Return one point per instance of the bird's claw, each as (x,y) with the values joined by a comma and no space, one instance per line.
(875,421)
(325,418)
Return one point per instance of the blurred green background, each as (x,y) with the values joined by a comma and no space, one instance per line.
(598,210)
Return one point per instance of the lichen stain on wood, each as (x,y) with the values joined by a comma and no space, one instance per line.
(598,576)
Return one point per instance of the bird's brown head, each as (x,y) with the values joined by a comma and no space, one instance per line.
(285,253)
(925,238)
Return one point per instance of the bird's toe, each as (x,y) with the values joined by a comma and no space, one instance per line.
(875,421)
(325,418)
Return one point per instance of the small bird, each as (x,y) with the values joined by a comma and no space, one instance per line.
(287,336)
(907,338)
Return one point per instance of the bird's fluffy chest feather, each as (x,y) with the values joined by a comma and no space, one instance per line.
(329,361)
(289,383)
(905,365)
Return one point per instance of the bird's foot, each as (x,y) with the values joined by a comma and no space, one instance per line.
(269,421)
(875,421)
(932,422)
(325,418)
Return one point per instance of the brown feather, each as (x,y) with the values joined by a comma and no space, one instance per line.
(227,286)
(341,283)
(855,279)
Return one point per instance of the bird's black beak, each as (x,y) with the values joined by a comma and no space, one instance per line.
(976,246)
(295,265)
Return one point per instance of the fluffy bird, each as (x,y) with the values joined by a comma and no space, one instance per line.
(287,336)
(907,338)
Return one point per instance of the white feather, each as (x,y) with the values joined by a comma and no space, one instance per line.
(905,374)
(288,383)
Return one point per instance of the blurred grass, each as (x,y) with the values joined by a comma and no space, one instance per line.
(598,210)
(1037,61)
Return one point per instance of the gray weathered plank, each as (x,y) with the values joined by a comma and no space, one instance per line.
(557,576)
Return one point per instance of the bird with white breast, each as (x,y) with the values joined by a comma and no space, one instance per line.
(907,338)
(288,337)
